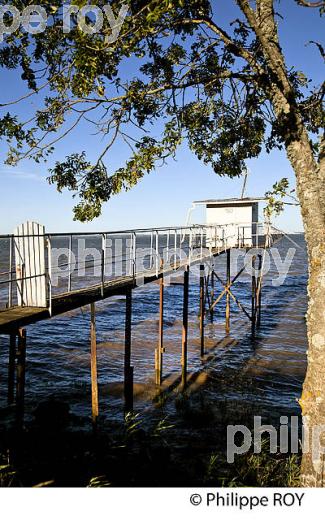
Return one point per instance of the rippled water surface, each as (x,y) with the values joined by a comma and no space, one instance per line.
(266,372)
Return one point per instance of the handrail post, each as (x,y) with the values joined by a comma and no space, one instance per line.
(151,250)
(180,245)
(23,272)
(167,247)
(130,256)
(49,272)
(103,258)
(157,253)
(10,275)
(175,248)
(70,262)
(134,245)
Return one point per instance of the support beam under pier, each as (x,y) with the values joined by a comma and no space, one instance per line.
(12,368)
(202,310)
(185,328)
(94,379)
(21,370)
(128,369)
(160,348)
(228,284)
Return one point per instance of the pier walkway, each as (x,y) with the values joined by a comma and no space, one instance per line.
(44,275)
(35,288)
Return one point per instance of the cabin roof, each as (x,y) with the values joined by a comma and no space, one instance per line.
(230,202)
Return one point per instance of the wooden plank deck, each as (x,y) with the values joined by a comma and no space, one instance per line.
(17,317)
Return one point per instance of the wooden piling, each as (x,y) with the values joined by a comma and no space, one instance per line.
(160,348)
(212,294)
(185,328)
(202,310)
(259,290)
(228,283)
(94,381)
(12,368)
(21,369)
(253,306)
(128,369)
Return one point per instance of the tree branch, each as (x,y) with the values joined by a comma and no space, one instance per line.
(227,40)
(320,48)
(304,3)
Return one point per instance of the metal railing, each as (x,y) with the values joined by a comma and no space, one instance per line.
(78,260)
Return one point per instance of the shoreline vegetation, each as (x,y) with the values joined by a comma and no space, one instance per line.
(58,449)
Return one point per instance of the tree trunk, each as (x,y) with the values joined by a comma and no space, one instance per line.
(310,177)
(312,400)
(311,193)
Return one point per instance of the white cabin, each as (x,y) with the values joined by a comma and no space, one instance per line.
(235,221)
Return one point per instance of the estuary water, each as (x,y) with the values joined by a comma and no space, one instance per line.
(265,372)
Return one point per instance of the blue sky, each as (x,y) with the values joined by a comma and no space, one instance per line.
(163,197)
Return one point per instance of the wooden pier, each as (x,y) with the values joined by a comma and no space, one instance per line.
(17,317)
(30,275)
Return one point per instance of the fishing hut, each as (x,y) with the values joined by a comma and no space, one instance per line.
(38,282)
(233,220)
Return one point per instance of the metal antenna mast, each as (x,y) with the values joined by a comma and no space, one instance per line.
(245,173)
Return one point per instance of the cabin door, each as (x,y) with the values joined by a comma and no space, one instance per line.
(29,247)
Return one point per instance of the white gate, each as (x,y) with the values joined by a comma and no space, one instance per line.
(29,246)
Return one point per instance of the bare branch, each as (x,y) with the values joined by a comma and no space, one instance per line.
(304,3)
(236,49)
(320,48)
(30,94)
